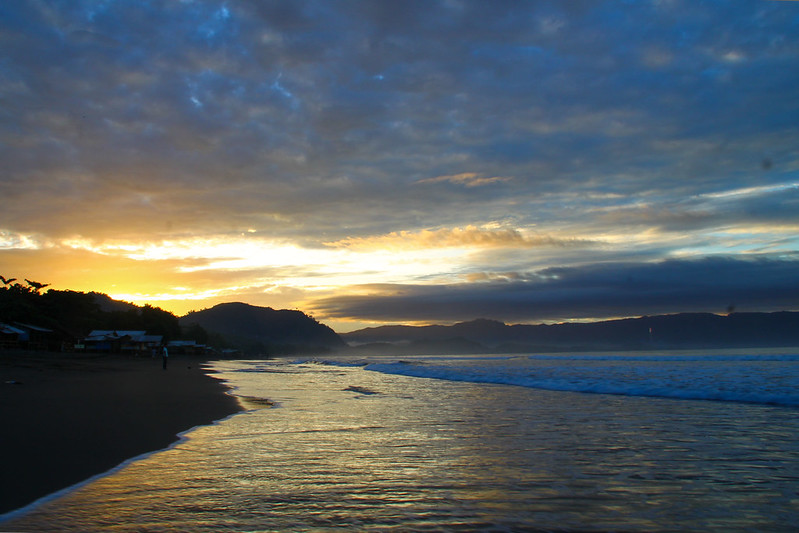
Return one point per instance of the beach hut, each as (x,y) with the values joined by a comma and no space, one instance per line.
(122,341)
(187,347)
(145,344)
(37,337)
(104,341)
(10,336)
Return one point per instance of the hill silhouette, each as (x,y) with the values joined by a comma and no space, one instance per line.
(265,330)
(71,315)
(678,331)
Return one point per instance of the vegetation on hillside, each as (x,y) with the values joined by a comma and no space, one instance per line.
(241,327)
(78,313)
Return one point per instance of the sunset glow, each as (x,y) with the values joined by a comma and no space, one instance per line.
(405,162)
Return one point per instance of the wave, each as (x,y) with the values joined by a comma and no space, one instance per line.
(746,384)
(766,378)
(667,357)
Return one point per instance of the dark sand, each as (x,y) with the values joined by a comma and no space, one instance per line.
(65,418)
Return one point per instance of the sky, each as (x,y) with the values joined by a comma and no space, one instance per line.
(376,162)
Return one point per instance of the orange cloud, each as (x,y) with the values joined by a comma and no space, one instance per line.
(469,236)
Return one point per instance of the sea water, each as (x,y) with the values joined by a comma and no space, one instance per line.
(702,441)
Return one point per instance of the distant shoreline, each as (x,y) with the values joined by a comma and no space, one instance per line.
(681,331)
(68,417)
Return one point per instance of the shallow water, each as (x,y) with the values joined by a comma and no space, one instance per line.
(350,448)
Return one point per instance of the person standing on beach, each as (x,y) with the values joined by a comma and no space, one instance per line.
(164,355)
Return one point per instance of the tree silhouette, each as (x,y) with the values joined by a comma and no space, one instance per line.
(35,285)
(78,313)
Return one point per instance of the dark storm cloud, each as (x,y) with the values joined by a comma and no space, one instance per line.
(589,292)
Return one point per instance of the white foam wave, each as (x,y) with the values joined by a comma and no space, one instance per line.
(762,381)
(668,357)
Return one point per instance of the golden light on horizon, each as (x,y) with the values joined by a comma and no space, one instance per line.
(184,274)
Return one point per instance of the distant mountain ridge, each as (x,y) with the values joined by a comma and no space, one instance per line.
(265,329)
(683,330)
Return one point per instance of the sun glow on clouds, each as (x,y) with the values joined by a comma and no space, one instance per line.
(178,293)
(11,240)
(468,237)
(252,268)
(269,262)
(178,273)
(423,252)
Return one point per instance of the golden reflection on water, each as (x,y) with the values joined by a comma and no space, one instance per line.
(348,448)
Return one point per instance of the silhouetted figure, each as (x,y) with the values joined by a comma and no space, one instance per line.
(164,356)
(7,281)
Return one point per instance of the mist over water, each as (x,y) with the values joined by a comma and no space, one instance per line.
(359,445)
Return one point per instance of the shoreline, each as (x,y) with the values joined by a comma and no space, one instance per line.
(67,418)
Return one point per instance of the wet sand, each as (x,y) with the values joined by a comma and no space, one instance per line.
(65,418)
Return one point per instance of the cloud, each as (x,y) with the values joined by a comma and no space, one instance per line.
(560,119)
(469,237)
(589,292)
(589,132)
(467,179)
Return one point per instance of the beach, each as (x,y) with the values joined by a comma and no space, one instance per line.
(362,445)
(68,417)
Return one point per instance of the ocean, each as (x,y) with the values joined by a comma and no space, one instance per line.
(649,441)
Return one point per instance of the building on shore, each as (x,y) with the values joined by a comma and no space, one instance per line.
(119,341)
